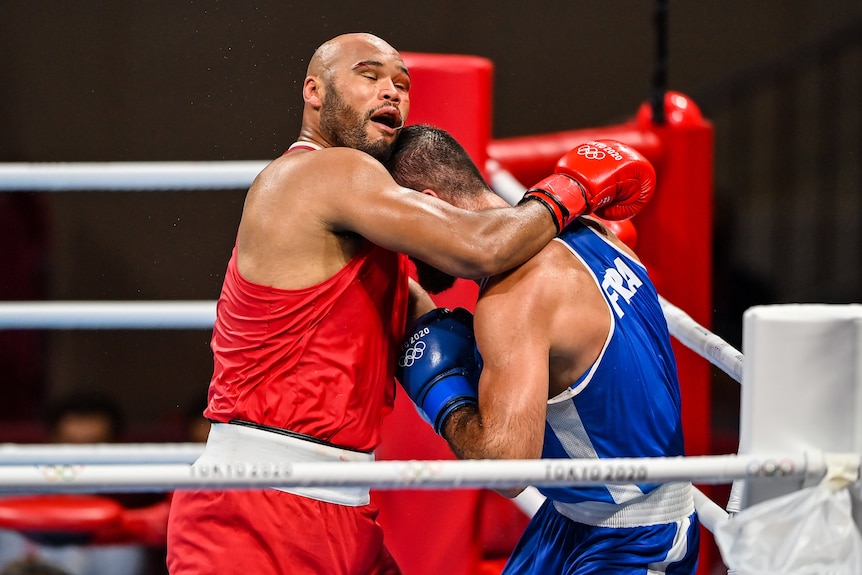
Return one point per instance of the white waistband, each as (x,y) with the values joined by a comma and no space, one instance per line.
(232,444)
(665,504)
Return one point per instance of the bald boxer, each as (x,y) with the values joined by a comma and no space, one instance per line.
(571,358)
(313,308)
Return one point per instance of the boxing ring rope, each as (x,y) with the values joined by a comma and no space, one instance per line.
(201,315)
(12,454)
(108,315)
(128,176)
(706,469)
(28,469)
(702,341)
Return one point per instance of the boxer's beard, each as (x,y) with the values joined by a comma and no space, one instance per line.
(346,127)
(431,279)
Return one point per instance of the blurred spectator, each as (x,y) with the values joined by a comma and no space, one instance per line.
(85,417)
(81,418)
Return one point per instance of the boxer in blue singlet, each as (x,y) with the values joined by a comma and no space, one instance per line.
(574,361)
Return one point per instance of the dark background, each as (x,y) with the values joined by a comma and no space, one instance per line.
(191,80)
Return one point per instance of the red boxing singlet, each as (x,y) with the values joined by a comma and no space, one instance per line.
(317,361)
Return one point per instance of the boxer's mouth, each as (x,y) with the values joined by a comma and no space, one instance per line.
(388,116)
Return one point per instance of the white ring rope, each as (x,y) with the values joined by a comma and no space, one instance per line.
(707,469)
(128,176)
(709,513)
(201,315)
(702,341)
(108,315)
(98,453)
(139,176)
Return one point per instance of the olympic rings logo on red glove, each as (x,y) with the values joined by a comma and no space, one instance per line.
(598,150)
(591,153)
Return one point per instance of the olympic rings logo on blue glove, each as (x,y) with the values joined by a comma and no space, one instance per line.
(410,355)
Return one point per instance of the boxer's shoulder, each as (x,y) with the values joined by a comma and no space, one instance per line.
(325,170)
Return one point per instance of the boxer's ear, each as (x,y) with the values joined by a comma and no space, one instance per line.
(312,91)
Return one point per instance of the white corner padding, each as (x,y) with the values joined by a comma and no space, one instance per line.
(801,385)
(801,393)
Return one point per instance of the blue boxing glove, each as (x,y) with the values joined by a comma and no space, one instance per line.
(439,365)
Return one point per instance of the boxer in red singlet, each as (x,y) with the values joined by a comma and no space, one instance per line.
(312,310)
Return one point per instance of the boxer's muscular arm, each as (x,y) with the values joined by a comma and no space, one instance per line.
(513,386)
(363,198)
(509,421)
(299,210)
(305,212)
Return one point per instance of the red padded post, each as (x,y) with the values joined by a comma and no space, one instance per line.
(675,242)
(453,92)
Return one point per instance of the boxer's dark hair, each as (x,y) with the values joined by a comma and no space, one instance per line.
(426,157)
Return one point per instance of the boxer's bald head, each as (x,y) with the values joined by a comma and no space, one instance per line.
(348,49)
(356,94)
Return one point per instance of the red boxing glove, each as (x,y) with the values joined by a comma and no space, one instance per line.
(605,177)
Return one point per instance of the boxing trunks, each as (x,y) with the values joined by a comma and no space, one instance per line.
(302,530)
